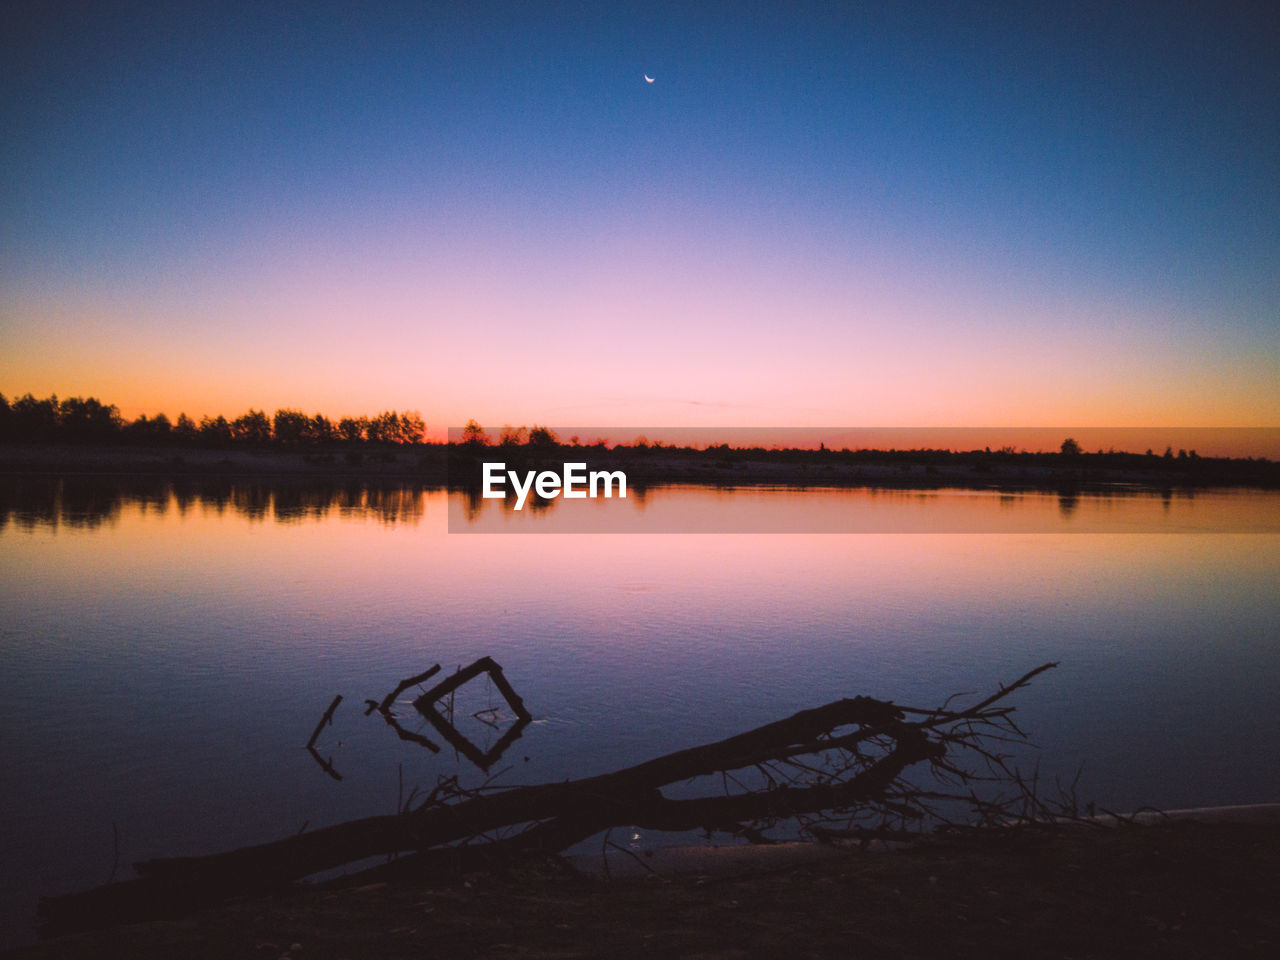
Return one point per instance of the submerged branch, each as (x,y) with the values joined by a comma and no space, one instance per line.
(859,772)
(326,718)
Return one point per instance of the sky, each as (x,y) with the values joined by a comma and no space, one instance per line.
(871,214)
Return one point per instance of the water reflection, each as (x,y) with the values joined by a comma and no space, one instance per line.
(761,508)
(89,503)
(92,502)
(180,613)
(1068,501)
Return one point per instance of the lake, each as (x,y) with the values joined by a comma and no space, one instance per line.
(166,651)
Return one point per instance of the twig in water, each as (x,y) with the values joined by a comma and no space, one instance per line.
(327,718)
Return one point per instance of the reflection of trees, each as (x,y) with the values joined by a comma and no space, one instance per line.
(1068,501)
(638,494)
(539,505)
(251,501)
(394,505)
(51,503)
(91,502)
(472,502)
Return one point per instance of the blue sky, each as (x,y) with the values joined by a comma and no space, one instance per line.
(1094,187)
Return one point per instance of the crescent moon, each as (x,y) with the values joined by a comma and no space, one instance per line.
(648,79)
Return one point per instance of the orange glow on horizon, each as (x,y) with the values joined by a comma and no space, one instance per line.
(654,343)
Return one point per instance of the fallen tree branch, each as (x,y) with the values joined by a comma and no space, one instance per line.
(859,772)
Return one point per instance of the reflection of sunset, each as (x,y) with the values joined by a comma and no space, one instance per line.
(680,509)
(350,553)
(44,505)
(201,635)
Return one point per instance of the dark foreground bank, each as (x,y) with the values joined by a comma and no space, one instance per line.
(1175,889)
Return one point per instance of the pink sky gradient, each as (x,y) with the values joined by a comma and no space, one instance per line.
(882,220)
(644,330)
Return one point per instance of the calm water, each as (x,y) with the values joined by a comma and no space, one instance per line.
(165,654)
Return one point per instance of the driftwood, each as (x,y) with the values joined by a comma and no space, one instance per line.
(384,709)
(841,765)
(445,726)
(325,764)
(390,698)
(427,701)
(327,718)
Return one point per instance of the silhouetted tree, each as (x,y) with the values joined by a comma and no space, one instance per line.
(542,437)
(412,427)
(512,436)
(322,430)
(385,428)
(251,427)
(215,431)
(6,417)
(146,429)
(1070,448)
(291,427)
(89,419)
(185,430)
(352,429)
(35,420)
(138,429)
(473,435)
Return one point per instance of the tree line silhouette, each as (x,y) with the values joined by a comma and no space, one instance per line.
(653,461)
(89,420)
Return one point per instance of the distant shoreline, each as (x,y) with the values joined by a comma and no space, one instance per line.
(440,465)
